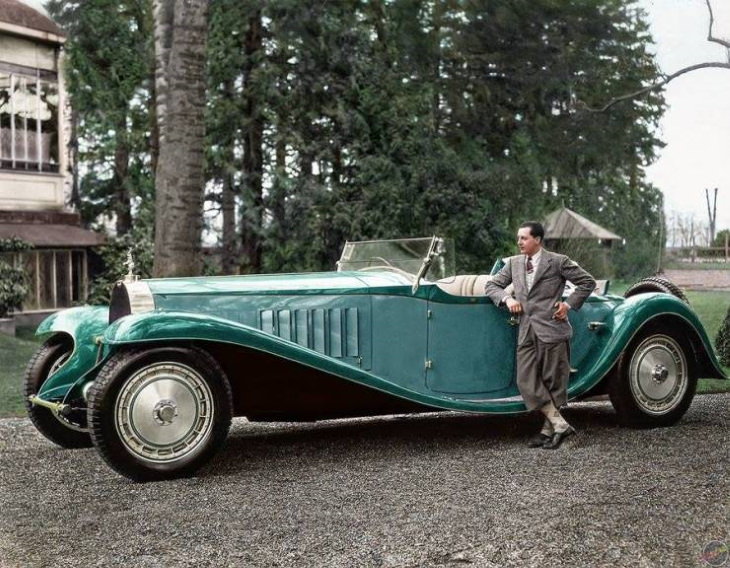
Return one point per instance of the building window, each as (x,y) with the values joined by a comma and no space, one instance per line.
(28,120)
(56,278)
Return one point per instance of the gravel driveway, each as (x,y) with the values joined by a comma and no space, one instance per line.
(423,490)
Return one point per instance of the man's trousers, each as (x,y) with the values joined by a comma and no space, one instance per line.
(543,370)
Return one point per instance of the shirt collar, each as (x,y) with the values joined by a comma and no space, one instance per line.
(535,257)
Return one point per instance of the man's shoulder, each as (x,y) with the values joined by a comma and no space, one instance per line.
(511,261)
(553,255)
(556,257)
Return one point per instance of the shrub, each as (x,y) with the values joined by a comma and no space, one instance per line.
(13,281)
(722,341)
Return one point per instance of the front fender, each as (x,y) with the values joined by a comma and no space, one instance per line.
(83,325)
(628,318)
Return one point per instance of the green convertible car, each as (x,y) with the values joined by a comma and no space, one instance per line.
(153,380)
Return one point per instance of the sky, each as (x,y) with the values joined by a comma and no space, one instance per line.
(696,125)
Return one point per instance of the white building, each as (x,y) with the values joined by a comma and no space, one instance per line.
(35,179)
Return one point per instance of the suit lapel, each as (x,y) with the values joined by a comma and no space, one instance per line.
(522,272)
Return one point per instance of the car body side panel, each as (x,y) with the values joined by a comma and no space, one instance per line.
(338,326)
(399,339)
(178,326)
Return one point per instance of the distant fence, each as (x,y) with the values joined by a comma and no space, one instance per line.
(700,254)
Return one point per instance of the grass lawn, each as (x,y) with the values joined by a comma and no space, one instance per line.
(14,355)
(15,352)
(711,307)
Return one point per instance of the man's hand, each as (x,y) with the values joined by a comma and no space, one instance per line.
(561,311)
(513,306)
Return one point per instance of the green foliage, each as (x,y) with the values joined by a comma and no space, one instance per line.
(115,256)
(14,244)
(109,70)
(722,341)
(721,238)
(13,281)
(387,119)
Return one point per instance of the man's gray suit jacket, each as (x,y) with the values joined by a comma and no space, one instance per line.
(538,303)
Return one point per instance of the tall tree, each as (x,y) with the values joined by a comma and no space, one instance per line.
(252,230)
(180,40)
(109,53)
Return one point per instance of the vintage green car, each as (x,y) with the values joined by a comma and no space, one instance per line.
(154,380)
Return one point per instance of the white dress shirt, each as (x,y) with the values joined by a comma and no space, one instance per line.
(535,262)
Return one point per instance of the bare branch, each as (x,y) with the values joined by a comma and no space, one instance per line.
(656,86)
(710,37)
(667,78)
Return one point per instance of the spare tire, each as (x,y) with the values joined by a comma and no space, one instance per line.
(656,284)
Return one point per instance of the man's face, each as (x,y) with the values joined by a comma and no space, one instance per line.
(528,244)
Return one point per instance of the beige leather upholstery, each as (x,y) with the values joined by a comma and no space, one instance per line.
(464,285)
(473,285)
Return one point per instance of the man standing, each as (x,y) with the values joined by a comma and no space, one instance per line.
(543,345)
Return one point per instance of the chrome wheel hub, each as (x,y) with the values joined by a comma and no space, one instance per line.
(658,374)
(164,411)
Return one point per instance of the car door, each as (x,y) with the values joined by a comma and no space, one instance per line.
(471,347)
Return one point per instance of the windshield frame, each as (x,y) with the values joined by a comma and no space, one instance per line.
(412,258)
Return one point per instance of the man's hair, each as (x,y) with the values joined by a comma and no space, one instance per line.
(536,229)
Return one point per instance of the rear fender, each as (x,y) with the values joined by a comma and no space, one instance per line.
(634,315)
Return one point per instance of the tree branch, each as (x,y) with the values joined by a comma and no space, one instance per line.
(710,37)
(656,86)
(667,78)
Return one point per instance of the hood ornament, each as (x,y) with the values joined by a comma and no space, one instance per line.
(129,263)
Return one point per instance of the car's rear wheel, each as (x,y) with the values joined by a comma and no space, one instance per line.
(159,413)
(655,380)
(67,431)
(656,284)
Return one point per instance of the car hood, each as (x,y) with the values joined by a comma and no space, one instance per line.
(306,283)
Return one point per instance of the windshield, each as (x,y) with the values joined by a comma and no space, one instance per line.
(404,256)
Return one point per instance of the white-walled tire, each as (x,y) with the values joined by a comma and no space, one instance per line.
(159,413)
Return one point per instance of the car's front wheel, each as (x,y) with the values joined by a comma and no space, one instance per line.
(159,413)
(655,380)
(67,431)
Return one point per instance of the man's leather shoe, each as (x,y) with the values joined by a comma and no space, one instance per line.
(538,440)
(557,438)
